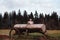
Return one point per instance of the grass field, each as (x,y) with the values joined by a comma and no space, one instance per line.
(53,33)
(49,32)
(4,32)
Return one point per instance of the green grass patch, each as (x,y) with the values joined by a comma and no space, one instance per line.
(36,34)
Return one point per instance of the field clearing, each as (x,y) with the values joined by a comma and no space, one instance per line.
(49,32)
(53,31)
(4,32)
(52,35)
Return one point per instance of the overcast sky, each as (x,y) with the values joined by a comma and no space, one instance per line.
(45,6)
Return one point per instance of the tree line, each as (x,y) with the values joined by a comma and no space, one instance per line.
(52,21)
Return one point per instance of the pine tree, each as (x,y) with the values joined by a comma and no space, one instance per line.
(31,16)
(36,17)
(25,17)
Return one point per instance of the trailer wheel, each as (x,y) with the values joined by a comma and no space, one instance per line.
(11,34)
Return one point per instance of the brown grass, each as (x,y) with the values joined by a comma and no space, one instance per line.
(6,32)
(53,31)
(53,34)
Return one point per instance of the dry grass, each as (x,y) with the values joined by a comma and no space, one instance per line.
(4,32)
(53,31)
(49,32)
(53,34)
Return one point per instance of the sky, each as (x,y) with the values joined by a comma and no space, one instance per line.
(42,6)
